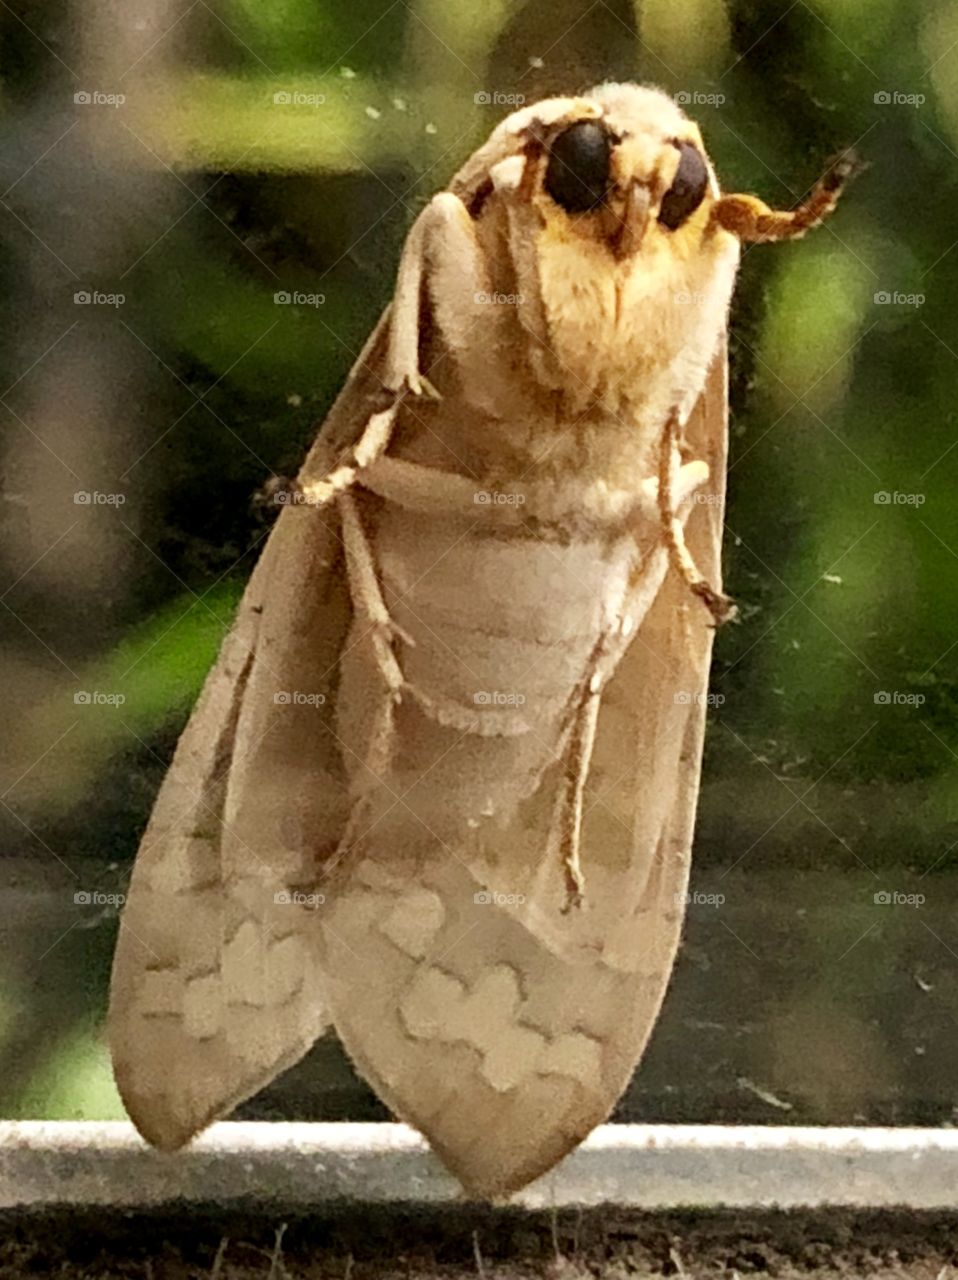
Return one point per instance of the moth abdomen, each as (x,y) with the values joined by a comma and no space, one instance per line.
(501,631)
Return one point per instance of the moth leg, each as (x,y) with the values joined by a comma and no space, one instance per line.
(570,802)
(584,716)
(577,754)
(721,607)
(442,248)
(370,446)
(371,612)
(368,600)
(581,727)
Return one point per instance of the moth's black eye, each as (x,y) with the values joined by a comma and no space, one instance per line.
(577,177)
(687,191)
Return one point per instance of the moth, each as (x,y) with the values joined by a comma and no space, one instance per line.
(438,792)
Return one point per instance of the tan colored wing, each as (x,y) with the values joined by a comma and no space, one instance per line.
(501,1027)
(215,982)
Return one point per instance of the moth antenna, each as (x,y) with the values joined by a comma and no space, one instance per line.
(751,220)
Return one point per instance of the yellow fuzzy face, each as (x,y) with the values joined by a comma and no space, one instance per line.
(634,276)
(602,217)
(626,170)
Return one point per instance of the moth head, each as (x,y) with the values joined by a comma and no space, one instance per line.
(623,168)
(612,219)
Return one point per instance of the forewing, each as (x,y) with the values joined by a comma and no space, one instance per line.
(216,986)
(506,1029)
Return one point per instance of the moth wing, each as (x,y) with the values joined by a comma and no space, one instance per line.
(215,985)
(507,1032)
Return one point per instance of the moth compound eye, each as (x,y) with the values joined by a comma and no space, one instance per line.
(577,177)
(687,190)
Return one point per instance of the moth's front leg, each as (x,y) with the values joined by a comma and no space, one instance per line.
(443,256)
(370,445)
